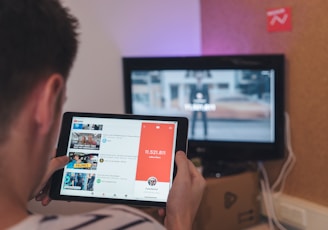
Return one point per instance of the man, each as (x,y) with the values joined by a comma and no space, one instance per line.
(38,44)
(199,97)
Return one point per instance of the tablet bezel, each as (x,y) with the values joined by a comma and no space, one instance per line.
(181,144)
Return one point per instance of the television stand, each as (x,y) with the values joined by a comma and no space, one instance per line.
(221,168)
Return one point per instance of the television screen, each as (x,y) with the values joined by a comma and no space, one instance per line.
(235,104)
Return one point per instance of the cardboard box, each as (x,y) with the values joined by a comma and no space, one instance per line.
(230,203)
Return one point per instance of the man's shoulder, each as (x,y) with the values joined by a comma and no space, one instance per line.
(110,217)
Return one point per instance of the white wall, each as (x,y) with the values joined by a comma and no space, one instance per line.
(111,29)
(115,28)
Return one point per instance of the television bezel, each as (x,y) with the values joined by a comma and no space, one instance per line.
(221,150)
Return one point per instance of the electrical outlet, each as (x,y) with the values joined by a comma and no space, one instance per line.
(292,215)
(298,213)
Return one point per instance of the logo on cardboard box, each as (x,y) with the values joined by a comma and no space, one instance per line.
(229,199)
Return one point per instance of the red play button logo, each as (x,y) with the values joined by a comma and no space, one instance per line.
(279,19)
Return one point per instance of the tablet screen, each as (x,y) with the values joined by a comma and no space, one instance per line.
(123,159)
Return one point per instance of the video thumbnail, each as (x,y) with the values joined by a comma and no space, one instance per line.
(79,181)
(79,160)
(85,141)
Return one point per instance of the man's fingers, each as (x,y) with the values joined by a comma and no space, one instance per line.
(45,201)
(56,164)
(161,212)
(181,159)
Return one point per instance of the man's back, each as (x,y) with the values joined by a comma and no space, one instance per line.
(110,217)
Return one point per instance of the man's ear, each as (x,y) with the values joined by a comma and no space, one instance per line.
(49,102)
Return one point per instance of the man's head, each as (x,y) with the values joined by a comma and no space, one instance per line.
(38,44)
(37,39)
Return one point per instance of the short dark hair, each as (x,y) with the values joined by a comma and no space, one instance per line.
(37,38)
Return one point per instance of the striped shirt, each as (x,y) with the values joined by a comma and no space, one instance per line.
(112,217)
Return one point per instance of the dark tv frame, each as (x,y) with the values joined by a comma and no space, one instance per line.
(222,150)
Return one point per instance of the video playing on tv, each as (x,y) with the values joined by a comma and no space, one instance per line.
(229,105)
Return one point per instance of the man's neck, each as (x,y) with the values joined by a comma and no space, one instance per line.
(21,167)
(11,211)
(13,193)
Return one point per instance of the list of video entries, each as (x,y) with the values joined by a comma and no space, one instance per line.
(80,173)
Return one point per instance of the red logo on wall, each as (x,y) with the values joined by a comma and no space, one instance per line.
(279,19)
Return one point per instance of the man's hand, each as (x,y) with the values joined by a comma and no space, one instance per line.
(43,189)
(185,195)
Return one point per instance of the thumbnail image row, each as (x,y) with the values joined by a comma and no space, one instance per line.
(87,126)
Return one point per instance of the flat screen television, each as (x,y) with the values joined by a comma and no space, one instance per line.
(234,103)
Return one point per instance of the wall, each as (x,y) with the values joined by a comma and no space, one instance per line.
(234,26)
(111,29)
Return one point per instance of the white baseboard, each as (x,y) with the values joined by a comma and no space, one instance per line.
(299,213)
